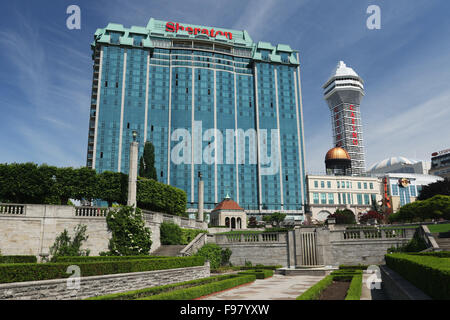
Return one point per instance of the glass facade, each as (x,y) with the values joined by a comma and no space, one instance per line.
(228,97)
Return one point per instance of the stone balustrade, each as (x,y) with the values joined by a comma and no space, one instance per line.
(250,238)
(12,209)
(362,234)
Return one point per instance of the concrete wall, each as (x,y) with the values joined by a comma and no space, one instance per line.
(270,250)
(99,285)
(34,230)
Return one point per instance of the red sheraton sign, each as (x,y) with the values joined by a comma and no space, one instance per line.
(175,27)
(354,131)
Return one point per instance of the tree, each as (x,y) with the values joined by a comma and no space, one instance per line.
(437,207)
(343,217)
(65,246)
(112,187)
(436,188)
(170,233)
(252,222)
(364,218)
(147,162)
(277,217)
(129,236)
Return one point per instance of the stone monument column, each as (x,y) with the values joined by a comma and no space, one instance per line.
(132,173)
(200,198)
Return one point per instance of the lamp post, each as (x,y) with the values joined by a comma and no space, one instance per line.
(200,197)
(132,173)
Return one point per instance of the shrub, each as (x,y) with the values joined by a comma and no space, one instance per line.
(105,258)
(45,271)
(199,291)
(18,259)
(314,292)
(146,292)
(259,274)
(170,233)
(160,197)
(429,273)
(416,244)
(213,253)
(225,257)
(358,267)
(65,246)
(343,217)
(355,289)
(187,235)
(129,236)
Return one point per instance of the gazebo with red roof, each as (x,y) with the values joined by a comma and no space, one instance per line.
(228,213)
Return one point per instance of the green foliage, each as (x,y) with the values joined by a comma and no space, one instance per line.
(355,289)
(225,257)
(343,217)
(314,292)
(213,253)
(187,235)
(104,258)
(428,273)
(276,217)
(259,274)
(113,187)
(45,271)
(439,254)
(436,188)
(350,268)
(65,246)
(416,244)
(18,259)
(170,233)
(252,222)
(437,207)
(147,292)
(147,162)
(160,197)
(129,236)
(199,291)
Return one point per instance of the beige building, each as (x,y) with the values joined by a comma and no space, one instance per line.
(328,193)
(228,213)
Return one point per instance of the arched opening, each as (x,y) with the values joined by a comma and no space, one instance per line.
(323,215)
(239,223)
(233,223)
(227,222)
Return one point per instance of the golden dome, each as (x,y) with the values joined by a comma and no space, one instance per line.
(337,153)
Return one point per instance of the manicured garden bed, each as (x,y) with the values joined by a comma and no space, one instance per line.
(45,271)
(203,290)
(18,259)
(147,292)
(343,284)
(429,272)
(78,259)
(259,274)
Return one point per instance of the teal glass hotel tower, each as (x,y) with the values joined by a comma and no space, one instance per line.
(168,76)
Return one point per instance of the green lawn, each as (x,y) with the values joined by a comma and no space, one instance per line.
(435,228)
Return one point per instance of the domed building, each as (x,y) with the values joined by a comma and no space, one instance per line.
(400,165)
(229,214)
(338,162)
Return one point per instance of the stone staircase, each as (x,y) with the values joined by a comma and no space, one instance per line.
(443,243)
(168,250)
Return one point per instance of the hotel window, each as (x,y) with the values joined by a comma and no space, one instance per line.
(316,198)
(323,198)
(349,198)
(366,199)
(339,198)
(413,191)
(338,184)
(322,184)
(359,185)
(349,185)
(365,185)
(344,198)
(359,198)
(329,184)
(331,198)
(316,184)
(394,188)
(371,186)
(343,184)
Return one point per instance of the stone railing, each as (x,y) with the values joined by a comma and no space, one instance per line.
(183,222)
(194,245)
(367,234)
(12,209)
(250,238)
(426,235)
(91,212)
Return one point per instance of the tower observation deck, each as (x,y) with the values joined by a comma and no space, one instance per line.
(343,92)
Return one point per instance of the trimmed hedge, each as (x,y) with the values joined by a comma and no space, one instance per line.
(45,271)
(136,294)
(430,274)
(260,267)
(358,267)
(314,292)
(355,289)
(104,258)
(156,196)
(439,254)
(260,274)
(18,259)
(353,293)
(203,290)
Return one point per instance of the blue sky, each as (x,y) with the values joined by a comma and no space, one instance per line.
(46,69)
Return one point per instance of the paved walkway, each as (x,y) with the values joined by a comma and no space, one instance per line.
(278,287)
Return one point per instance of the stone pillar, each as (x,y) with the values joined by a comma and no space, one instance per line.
(200,200)
(132,174)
